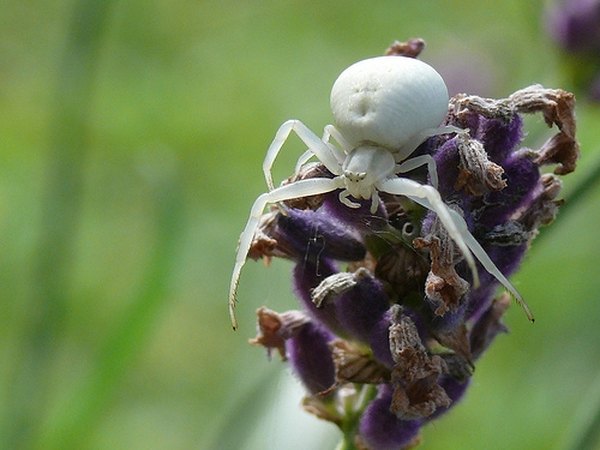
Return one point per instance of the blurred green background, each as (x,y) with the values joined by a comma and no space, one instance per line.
(132,138)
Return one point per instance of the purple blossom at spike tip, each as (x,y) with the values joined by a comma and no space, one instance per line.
(575,27)
(391,326)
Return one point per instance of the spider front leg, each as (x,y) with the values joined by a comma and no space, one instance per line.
(456,226)
(302,188)
(418,161)
(325,152)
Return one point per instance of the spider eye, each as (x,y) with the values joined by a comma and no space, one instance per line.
(354,176)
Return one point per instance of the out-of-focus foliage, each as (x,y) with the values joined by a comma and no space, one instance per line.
(132,137)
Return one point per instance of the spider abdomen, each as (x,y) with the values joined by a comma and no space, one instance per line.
(388,100)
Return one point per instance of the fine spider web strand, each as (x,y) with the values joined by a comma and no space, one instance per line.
(314,239)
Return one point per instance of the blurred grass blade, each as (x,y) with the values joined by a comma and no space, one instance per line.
(87,402)
(585,434)
(237,425)
(27,391)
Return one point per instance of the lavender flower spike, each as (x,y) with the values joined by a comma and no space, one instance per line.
(391,321)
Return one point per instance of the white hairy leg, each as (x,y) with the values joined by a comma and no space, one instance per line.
(323,151)
(302,188)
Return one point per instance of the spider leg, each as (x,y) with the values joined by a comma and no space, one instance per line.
(322,150)
(457,229)
(302,188)
(329,131)
(332,131)
(489,265)
(408,149)
(418,161)
(302,160)
(430,198)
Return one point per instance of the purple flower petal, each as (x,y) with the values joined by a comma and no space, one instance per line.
(314,234)
(360,309)
(310,356)
(381,429)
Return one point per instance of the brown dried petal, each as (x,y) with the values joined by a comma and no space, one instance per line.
(458,367)
(322,409)
(264,244)
(336,284)
(355,365)
(411,48)
(274,328)
(509,234)
(544,208)
(405,342)
(415,373)
(462,104)
(562,150)
(457,340)
(557,107)
(477,174)
(421,399)
(443,286)
(310,170)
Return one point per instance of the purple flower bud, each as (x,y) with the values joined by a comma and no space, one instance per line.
(575,26)
(362,307)
(522,177)
(314,234)
(500,138)
(507,259)
(489,325)
(447,161)
(307,276)
(380,429)
(310,356)
(379,341)
(360,219)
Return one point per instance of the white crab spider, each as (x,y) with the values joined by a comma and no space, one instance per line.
(383,109)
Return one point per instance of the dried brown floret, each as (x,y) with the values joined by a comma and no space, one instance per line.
(411,48)
(354,364)
(477,174)
(415,374)
(274,328)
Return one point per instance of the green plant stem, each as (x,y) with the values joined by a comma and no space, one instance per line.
(347,443)
(26,399)
(352,417)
